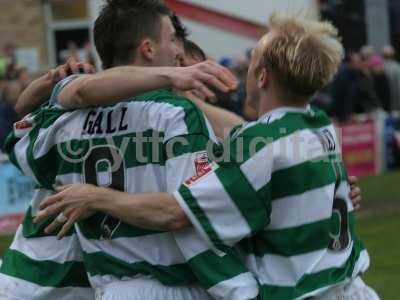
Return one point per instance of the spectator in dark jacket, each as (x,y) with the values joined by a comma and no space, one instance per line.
(352,89)
(8,116)
(392,69)
(381,81)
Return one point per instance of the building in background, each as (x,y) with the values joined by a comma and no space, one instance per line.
(22,25)
(42,29)
(46,31)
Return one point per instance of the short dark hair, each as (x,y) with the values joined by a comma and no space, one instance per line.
(122,24)
(192,49)
(180,29)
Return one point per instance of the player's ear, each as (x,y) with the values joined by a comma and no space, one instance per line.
(147,49)
(263,78)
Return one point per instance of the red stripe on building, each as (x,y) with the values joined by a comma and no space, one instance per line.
(217,19)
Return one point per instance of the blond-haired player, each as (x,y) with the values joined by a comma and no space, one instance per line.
(281,194)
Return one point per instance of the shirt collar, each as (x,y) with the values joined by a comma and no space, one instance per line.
(285,109)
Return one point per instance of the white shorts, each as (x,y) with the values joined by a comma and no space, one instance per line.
(355,290)
(149,289)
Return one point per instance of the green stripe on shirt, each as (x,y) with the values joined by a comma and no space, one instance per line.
(290,241)
(312,282)
(191,202)
(266,133)
(225,267)
(296,180)
(254,210)
(100,263)
(44,273)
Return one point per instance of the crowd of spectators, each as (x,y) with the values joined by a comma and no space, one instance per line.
(13,80)
(80,54)
(367,81)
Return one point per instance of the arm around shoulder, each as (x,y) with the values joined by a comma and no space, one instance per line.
(113,86)
(155,211)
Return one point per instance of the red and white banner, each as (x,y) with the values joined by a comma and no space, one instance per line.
(359,148)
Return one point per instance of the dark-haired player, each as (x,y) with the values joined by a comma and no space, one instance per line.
(122,261)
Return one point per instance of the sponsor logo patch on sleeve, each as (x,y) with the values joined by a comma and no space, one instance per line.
(202,167)
(201,163)
(24,126)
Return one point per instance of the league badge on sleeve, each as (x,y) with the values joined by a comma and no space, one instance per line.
(201,163)
(22,127)
(202,167)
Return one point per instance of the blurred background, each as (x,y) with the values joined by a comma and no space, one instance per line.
(363,98)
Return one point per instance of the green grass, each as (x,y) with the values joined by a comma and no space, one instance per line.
(381,188)
(5,241)
(378,225)
(380,235)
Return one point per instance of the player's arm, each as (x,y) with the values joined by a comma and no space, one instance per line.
(164,211)
(120,83)
(39,91)
(220,202)
(159,211)
(34,95)
(222,120)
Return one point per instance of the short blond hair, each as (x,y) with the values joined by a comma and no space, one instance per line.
(303,55)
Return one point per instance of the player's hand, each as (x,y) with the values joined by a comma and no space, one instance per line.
(72,66)
(355,192)
(72,203)
(203,75)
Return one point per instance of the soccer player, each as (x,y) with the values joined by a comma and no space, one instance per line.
(281,195)
(133,146)
(37,266)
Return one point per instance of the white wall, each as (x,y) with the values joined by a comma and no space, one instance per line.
(94,7)
(258,10)
(255,10)
(218,43)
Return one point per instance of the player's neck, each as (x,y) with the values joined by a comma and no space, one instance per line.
(139,62)
(270,102)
